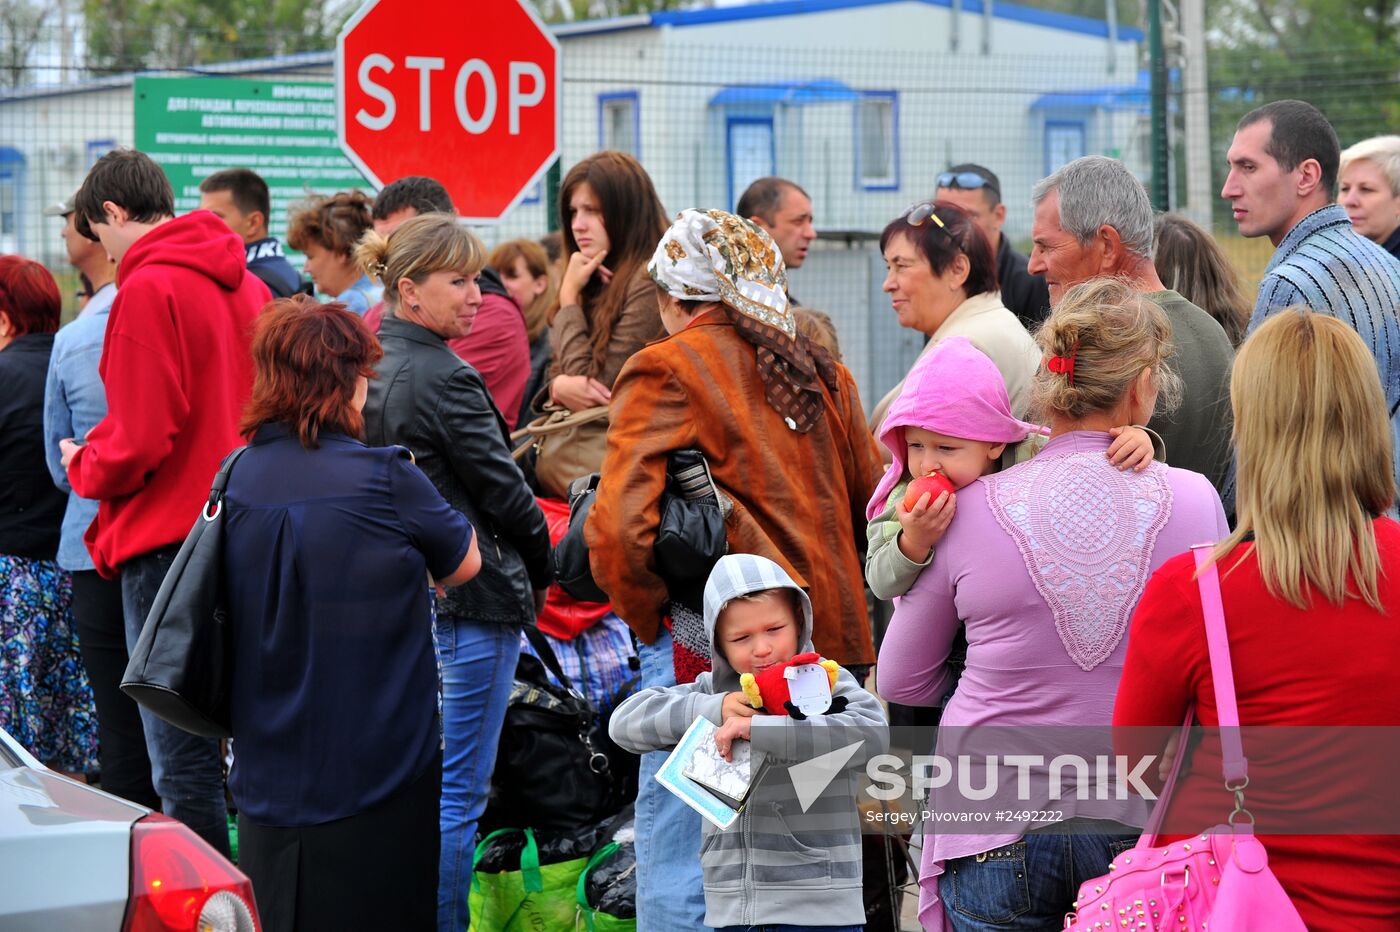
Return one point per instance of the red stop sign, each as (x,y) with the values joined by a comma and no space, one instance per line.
(465,93)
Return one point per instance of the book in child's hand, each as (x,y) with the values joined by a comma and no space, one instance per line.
(712,786)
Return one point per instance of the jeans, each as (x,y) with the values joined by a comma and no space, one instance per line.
(185,769)
(1028,884)
(478,669)
(786,928)
(670,888)
(98,616)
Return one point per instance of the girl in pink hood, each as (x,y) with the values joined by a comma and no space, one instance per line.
(953,417)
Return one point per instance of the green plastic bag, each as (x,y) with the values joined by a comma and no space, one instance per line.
(535,897)
(596,920)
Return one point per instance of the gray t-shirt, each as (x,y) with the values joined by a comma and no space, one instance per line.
(1197,434)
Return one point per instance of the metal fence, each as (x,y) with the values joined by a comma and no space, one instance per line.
(864,126)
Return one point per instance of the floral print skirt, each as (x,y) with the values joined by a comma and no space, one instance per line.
(45,698)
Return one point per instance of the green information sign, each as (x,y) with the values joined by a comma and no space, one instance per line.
(283,130)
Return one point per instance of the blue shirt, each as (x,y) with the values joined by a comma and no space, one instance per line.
(334,687)
(361,296)
(74,401)
(1326,265)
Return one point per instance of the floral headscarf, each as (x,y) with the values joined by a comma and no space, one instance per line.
(711,255)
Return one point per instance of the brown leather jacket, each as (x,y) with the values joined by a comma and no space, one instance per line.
(798,499)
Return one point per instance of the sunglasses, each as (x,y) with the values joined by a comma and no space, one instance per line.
(922,213)
(966,181)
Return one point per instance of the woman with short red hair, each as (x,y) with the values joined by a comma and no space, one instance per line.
(334,693)
(45,697)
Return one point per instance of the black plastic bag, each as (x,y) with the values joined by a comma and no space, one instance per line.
(503,854)
(611,886)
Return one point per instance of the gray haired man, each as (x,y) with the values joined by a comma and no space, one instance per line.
(1093,218)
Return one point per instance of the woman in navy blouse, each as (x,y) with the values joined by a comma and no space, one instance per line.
(330,549)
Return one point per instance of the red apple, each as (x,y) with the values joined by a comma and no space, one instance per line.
(934,484)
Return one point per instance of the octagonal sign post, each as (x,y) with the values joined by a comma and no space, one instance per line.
(467,93)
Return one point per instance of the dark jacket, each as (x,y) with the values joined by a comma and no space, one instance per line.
(31,506)
(427,399)
(1392,245)
(265,260)
(539,378)
(1025,295)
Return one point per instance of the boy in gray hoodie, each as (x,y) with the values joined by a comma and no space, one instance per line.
(779,865)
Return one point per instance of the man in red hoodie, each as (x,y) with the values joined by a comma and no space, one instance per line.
(178,372)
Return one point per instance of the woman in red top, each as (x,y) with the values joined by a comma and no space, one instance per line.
(1310,581)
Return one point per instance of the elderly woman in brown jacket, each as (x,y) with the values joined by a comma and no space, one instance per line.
(782,427)
(779,421)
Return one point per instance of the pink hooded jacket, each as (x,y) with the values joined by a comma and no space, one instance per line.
(953,389)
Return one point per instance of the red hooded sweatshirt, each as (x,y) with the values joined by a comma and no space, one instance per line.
(178,370)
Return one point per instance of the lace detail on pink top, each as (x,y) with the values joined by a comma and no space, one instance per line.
(1086,532)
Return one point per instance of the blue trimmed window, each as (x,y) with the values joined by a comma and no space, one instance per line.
(1064,142)
(96,148)
(620,122)
(877,141)
(12,183)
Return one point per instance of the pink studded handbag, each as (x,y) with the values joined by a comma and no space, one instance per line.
(1217,880)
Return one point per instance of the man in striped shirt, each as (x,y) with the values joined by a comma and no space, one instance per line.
(1282,184)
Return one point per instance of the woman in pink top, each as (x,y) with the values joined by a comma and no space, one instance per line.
(1043,566)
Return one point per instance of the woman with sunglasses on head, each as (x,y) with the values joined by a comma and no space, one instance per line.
(942,281)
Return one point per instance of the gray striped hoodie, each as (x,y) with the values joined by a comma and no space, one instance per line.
(776,863)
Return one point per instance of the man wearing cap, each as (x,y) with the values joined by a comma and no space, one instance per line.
(74,401)
(98,271)
(978,192)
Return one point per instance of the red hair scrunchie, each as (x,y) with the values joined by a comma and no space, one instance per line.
(1063,364)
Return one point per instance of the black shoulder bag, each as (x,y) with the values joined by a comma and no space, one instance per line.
(690,537)
(556,767)
(179,668)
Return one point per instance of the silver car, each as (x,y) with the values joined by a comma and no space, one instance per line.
(74,858)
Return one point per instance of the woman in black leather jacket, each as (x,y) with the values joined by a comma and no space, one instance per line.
(430,401)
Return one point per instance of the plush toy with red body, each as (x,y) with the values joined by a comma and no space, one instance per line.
(799,687)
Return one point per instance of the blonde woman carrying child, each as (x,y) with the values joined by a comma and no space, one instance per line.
(953,417)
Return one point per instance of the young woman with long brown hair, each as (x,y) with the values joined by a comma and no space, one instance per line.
(607,303)
(1190,262)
